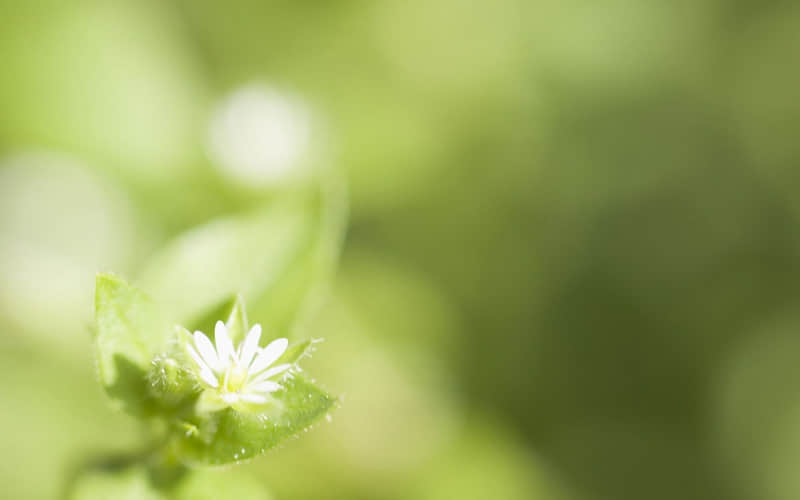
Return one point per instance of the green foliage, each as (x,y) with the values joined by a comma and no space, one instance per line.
(278,256)
(149,377)
(295,352)
(129,333)
(288,301)
(127,325)
(231,308)
(233,436)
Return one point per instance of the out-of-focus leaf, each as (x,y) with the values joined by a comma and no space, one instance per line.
(201,268)
(209,484)
(231,436)
(126,484)
(301,288)
(129,332)
(136,482)
(275,257)
(232,308)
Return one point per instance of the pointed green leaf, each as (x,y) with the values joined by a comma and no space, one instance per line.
(230,436)
(237,321)
(129,332)
(232,311)
(297,351)
(124,320)
(207,319)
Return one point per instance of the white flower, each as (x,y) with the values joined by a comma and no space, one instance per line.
(236,375)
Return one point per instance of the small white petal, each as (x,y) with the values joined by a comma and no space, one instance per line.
(253,398)
(224,344)
(196,357)
(269,355)
(250,346)
(271,372)
(230,397)
(207,350)
(266,386)
(208,377)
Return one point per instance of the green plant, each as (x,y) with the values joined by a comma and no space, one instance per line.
(209,387)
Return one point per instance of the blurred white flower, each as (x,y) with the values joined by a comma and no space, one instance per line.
(259,136)
(236,375)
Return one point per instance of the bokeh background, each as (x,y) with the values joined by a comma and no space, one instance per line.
(570,269)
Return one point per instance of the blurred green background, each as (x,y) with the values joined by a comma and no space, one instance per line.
(571,263)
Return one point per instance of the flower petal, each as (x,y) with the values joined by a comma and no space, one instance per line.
(271,372)
(230,397)
(196,357)
(224,344)
(266,386)
(253,398)
(269,355)
(208,377)
(249,347)
(207,350)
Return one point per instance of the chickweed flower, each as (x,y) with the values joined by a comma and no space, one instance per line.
(233,376)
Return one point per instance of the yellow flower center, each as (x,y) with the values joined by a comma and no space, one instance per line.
(235,378)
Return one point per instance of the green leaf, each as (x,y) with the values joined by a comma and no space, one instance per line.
(297,351)
(301,288)
(231,436)
(237,321)
(129,332)
(232,308)
(201,268)
(277,257)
